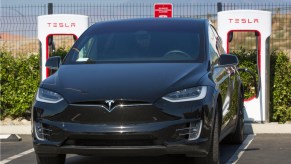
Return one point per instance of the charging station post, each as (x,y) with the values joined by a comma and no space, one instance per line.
(260,22)
(57,24)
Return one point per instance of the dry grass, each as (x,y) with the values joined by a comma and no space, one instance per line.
(24,46)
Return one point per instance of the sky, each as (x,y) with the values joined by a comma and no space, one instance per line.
(14,10)
(13,2)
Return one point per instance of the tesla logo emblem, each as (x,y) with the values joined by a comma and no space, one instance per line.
(244,20)
(109,102)
(61,24)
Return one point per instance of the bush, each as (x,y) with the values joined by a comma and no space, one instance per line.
(248,59)
(281,88)
(62,52)
(19,78)
(280,82)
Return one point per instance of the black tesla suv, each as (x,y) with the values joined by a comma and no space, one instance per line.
(140,87)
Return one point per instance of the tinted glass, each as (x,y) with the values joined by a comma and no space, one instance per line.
(138,45)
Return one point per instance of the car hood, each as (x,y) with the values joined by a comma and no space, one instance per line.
(135,82)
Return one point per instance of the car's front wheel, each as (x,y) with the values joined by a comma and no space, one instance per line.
(238,136)
(50,159)
(214,153)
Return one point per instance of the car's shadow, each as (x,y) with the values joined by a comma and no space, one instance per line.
(126,160)
(227,151)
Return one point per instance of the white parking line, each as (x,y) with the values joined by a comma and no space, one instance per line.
(9,159)
(233,160)
(239,152)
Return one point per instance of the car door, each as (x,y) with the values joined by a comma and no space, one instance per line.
(223,77)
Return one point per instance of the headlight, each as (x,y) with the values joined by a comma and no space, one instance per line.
(190,94)
(47,96)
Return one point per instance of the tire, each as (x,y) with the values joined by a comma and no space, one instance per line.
(50,159)
(238,136)
(213,156)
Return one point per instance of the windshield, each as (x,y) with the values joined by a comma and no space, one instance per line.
(138,46)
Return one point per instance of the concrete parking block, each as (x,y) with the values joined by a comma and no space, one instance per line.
(9,138)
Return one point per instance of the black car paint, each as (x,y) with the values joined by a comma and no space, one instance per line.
(141,83)
(158,80)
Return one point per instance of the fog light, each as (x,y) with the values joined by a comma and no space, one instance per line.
(195,130)
(39,133)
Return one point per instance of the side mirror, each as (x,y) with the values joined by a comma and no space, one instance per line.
(254,78)
(228,60)
(53,62)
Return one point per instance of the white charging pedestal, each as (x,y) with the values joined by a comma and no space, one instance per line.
(58,24)
(256,109)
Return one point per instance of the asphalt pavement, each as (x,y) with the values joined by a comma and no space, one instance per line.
(260,148)
(268,149)
(264,144)
(13,151)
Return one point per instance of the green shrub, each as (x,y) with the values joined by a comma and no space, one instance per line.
(280,82)
(248,59)
(19,78)
(62,52)
(281,88)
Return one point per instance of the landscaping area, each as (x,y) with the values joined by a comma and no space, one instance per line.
(20,78)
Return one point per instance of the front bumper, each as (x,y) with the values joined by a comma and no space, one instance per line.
(150,139)
(162,128)
(193,151)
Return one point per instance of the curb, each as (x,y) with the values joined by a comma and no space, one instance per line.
(250,128)
(15,129)
(267,128)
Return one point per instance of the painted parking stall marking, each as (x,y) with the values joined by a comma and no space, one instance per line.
(16,156)
(239,152)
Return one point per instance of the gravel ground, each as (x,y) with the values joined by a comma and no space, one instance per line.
(17,121)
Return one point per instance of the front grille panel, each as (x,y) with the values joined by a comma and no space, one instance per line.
(126,114)
(94,142)
(113,140)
